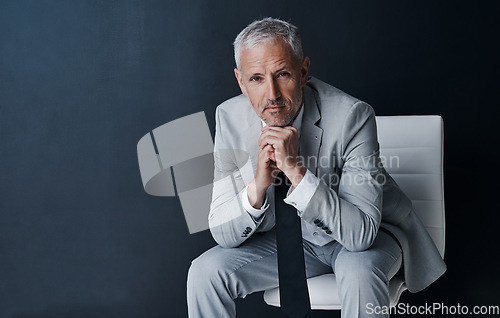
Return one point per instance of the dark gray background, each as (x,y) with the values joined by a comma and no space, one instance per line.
(82,81)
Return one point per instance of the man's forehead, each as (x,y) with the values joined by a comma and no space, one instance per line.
(277,55)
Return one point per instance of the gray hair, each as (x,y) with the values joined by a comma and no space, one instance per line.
(267,31)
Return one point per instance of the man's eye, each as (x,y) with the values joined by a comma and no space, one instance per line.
(283,74)
(255,79)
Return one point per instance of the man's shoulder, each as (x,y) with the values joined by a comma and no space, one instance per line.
(334,104)
(236,106)
(327,93)
(236,103)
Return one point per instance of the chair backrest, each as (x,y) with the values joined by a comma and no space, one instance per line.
(411,148)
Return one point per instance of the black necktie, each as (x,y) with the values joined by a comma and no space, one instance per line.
(294,296)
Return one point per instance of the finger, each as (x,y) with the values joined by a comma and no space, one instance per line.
(266,128)
(265,148)
(274,136)
(291,128)
(280,132)
(273,130)
(265,134)
(264,140)
(267,153)
(272,155)
(277,128)
(273,141)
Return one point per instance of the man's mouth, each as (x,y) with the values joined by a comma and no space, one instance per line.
(275,107)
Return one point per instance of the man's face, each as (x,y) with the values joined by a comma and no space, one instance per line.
(273,80)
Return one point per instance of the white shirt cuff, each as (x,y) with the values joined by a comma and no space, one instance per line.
(256,213)
(300,196)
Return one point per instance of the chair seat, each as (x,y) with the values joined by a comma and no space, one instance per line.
(323,292)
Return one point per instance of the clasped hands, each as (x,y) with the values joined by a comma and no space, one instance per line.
(278,150)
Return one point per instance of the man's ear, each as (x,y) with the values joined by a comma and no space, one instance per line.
(304,71)
(239,78)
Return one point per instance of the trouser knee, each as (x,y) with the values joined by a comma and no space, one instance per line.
(209,272)
(359,267)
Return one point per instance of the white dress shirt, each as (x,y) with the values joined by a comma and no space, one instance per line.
(298,197)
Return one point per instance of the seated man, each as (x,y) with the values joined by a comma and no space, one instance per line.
(354,219)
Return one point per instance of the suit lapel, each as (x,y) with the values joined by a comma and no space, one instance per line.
(311,135)
(251,137)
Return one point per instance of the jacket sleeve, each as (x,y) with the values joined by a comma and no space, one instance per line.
(352,214)
(229,222)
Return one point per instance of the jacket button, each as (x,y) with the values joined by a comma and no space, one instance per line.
(328,232)
(325,228)
(316,221)
(320,224)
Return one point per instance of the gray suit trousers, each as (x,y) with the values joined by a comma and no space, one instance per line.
(220,275)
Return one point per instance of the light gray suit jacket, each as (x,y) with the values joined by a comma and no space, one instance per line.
(355,195)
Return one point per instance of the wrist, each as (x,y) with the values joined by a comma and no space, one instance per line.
(296,174)
(256,196)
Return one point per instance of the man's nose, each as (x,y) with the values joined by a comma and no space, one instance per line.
(273,91)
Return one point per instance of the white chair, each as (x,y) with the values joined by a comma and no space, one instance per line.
(411,148)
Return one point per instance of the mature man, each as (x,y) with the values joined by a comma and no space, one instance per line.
(355,221)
